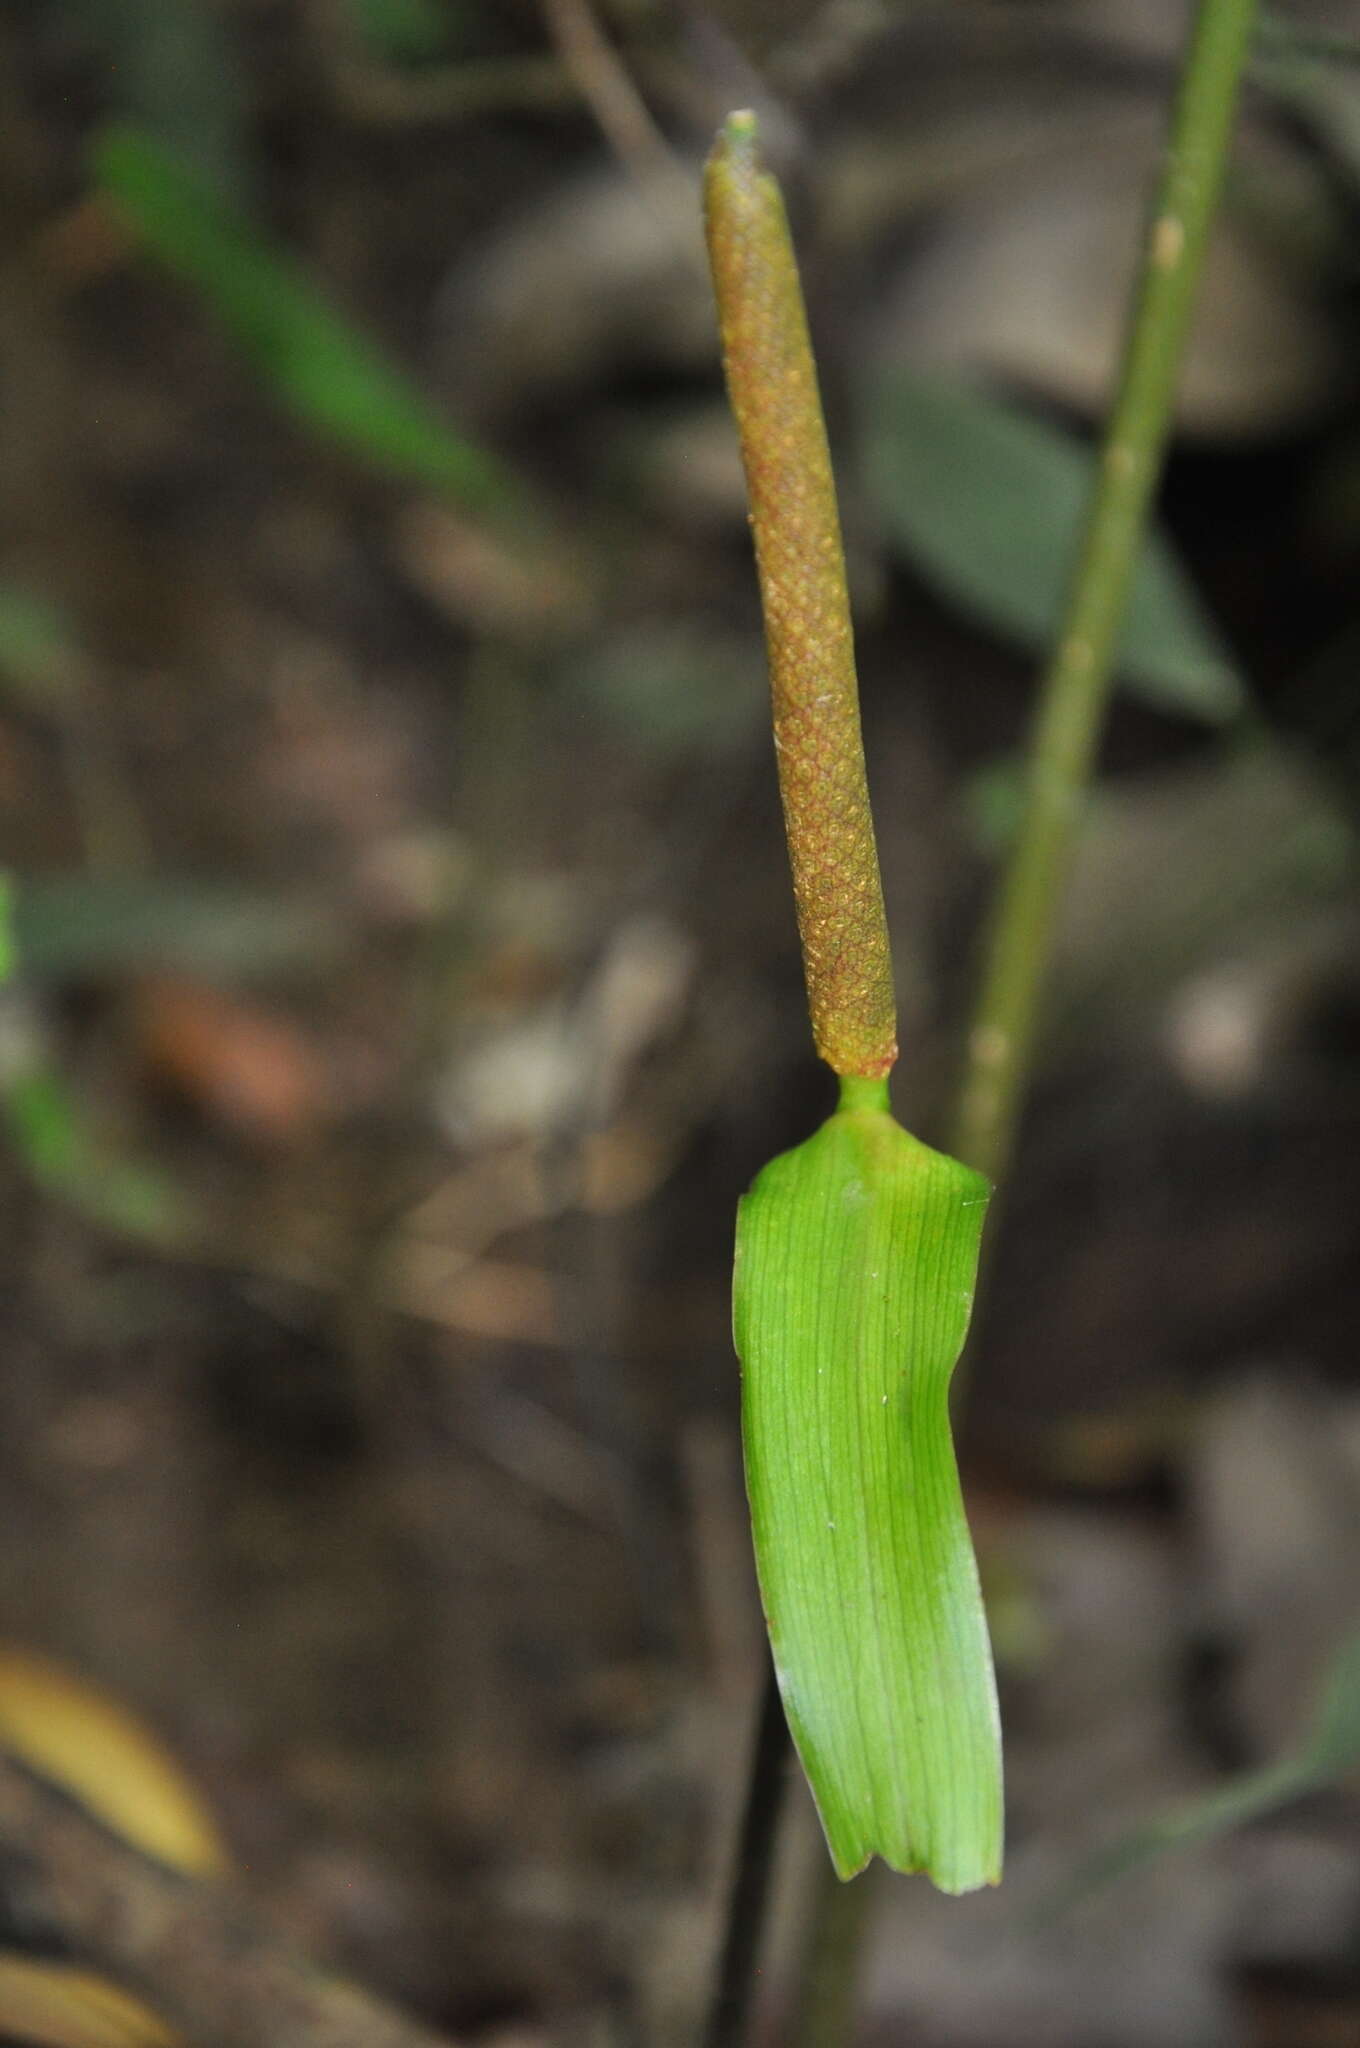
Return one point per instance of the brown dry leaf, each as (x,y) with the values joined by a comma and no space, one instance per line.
(242,1064)
(498,1298)
(476,578)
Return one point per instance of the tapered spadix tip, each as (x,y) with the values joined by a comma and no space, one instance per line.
(735,156)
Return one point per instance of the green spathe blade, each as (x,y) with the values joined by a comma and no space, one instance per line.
(856,1259)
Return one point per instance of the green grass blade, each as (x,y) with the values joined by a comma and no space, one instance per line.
(40,657)
(1329,1749)
(40,1117)
(408,32)
(72,925)
(317,363)
(856,1259)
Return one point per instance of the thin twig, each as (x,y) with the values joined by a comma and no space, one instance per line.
(771,1754)
(201,1955)
(604,83)
(382,95)
(623,116)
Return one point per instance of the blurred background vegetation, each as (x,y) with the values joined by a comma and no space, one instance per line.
(400,980)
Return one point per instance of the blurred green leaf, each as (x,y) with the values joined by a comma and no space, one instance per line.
(986,500)
(42,1122)
(856,1260)
(52,1135)
(408,31)
(9,951)
(1333,1743)
(311,356)
(63,1156)
(1329,1749)
(71,925)
(40,657)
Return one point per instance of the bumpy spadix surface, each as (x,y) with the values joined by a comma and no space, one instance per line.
(856,1260)
(772,383)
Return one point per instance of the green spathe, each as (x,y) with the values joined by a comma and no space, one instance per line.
(856,1259)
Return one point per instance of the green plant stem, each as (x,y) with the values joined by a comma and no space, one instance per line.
(1062,750)
(1073,698)
(831,1958)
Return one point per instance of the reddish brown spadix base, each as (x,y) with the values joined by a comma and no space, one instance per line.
(772,382)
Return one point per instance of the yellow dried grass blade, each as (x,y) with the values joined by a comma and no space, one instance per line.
(79,1737)
(56,2007)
